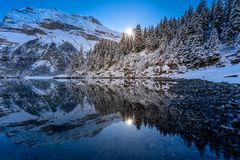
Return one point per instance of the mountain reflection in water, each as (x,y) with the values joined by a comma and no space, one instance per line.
(119,119)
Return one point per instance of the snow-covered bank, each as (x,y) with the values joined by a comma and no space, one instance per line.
(38,77)
(230,74)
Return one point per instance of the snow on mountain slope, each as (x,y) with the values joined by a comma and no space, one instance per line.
(33,17)
(44,41)
(19,38)
(57,26)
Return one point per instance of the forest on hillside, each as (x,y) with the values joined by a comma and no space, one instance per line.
(192,40)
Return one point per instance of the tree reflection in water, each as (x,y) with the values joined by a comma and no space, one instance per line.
(201,113)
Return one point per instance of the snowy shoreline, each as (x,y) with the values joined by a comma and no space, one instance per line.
(230,74)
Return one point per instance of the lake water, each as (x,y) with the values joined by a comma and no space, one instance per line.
(119,120)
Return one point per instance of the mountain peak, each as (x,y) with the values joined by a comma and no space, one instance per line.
(29,15)
(44,21)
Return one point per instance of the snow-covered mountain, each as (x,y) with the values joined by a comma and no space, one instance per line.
(43,41)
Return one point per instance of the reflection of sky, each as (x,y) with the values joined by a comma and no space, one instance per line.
(116,14)
(117,141)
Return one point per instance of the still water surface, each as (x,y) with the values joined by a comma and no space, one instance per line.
(119,119)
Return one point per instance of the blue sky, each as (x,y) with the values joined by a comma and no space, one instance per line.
(115,14)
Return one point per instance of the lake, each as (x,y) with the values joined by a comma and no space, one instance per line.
(138,119)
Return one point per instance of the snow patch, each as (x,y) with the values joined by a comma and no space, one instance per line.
(230,74)
(14,37)
(38,77)
(43,63)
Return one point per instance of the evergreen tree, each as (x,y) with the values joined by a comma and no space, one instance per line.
(151,42)
(202,18)
(234,19)
(185,27)
(227,10)
(218,17)
(213,43)
(203,12)
(197,29)
(138,39)
(78,60)
(159,30)
(174,27)
(166,29)
(145,35)
(80,57)
(211,16)
(126,43)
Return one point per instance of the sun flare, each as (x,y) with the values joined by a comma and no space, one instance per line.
(129,31)
(129,122)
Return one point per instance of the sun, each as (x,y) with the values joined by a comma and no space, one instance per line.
(129,31)
(129,122)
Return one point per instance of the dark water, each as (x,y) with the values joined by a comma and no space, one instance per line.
(120,119)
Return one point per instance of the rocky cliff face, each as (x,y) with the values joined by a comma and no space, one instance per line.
(44,41)
(36,58)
